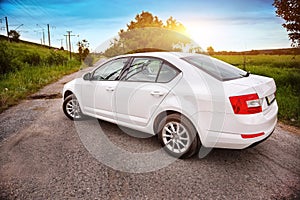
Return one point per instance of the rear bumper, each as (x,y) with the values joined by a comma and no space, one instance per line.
(256,143)
(234,126)
(235,140)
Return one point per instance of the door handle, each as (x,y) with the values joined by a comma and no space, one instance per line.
(157,93)
(110,89)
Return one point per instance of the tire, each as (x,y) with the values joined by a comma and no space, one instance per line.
(178,136)
(71,108)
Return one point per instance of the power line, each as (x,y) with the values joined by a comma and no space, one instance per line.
(25,7)
(19,26)
(40,30)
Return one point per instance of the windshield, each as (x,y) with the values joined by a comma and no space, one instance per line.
(216,68)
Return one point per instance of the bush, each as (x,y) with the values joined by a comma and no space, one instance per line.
(32,58)
(8,63)
(288,104)
(55,58)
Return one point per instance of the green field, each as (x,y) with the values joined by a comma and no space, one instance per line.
(285,69)
(25,68)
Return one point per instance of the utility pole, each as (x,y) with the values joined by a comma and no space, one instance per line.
(69,37)
(49,35)
(66,42)
(7,29)
(43,33)
(43,37)
(61,42)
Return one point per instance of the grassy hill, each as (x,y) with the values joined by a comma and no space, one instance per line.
(32,44)
(27,67)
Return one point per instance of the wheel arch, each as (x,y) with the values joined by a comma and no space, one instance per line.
(195,144)
(67,93)
(165,113)
(160,117)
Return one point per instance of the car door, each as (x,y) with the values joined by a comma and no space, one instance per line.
(145,84)
(98,92)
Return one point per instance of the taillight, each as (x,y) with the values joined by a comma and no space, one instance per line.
(246,104)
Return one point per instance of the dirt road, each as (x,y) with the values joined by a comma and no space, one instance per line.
(43,156)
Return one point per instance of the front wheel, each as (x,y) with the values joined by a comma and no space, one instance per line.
(71,108)
(178,136)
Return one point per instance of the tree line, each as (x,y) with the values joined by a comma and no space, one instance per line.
(149,33)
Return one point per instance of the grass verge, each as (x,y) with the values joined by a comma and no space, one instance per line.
(15,86)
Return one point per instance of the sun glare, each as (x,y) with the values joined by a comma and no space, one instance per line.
(203,34)
(222,37)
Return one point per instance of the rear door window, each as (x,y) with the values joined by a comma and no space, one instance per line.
(143,69)
(149,69)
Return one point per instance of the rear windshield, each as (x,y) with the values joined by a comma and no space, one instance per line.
(216,68)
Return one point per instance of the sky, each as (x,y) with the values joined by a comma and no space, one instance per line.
(226,25)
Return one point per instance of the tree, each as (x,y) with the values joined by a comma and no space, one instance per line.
(210,50)
(146,33)
(83,52)
(195,50)
(83,49)
(14,35)
(289,10)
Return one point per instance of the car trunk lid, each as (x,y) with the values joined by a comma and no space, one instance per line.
(264,86)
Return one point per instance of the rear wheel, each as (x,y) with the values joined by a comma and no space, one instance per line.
(178,136)
(71,108)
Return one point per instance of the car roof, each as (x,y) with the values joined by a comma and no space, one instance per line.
(163,54)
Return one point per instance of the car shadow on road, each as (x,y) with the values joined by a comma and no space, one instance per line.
(228,155)
(227,160)
(134,139)
(129,139)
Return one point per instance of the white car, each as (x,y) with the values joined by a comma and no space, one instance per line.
(189,100)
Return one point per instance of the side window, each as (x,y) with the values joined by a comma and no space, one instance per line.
(110,71)
(167,73)
(143,69)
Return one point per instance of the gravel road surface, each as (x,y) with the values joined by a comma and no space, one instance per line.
(42,156)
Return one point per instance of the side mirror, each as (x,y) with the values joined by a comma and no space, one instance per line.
(87,76)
